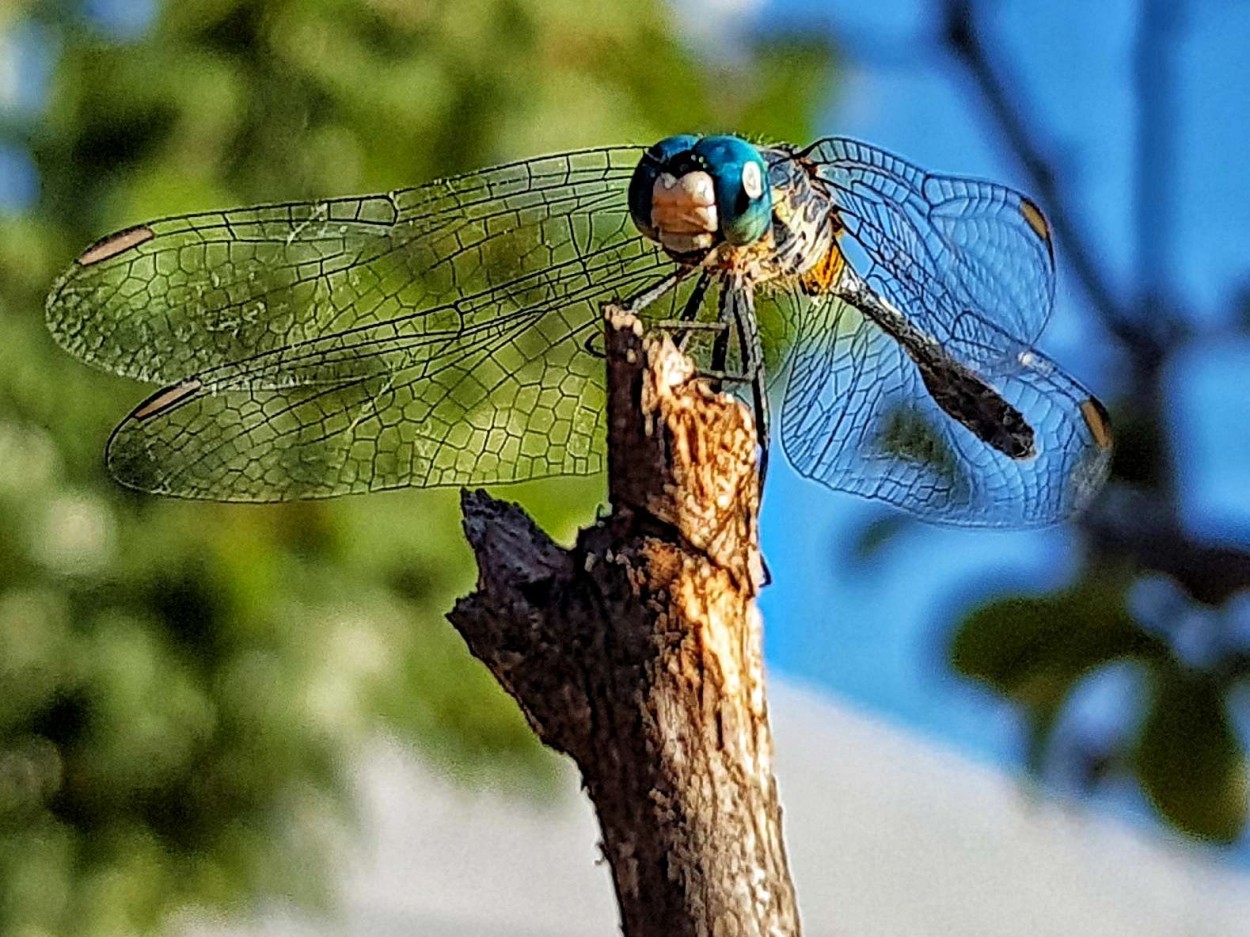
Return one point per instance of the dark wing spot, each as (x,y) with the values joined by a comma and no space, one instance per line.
(1098,421)
(1036,220)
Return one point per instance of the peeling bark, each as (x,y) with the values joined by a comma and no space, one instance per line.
(638,651)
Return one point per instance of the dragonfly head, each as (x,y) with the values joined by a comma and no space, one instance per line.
(691,193)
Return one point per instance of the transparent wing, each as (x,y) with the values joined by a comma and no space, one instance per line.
(936,246)
(431,336)
(857,417)
(522,401)
(164,300)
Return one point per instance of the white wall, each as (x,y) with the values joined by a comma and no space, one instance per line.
(889,835)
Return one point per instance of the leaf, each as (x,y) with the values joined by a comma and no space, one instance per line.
(1190,761)
(1036,650)
(1032,649)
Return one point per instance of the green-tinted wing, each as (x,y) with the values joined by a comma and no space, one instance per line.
(168,299)
(431,336)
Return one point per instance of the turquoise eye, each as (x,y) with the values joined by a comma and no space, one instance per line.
(740,178)
(655,161)
(718,191)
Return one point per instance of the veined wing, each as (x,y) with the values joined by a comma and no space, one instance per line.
(433,336)
(936,401)
(859,417)
(174,297)
(938,246)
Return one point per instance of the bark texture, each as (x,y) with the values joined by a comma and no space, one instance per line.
(638,651)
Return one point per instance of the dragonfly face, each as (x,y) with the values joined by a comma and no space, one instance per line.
(691,193)
(755,214)
(439,335)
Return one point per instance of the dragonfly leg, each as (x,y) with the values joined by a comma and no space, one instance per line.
(691,310)
(720,346)
(753,367)
(677,325)
(753,370)
(641,300)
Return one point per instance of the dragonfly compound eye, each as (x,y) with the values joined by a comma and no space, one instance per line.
(659,159)
(689,193)
(742,195)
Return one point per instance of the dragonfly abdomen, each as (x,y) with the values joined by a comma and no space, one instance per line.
(971,402)
(959,391)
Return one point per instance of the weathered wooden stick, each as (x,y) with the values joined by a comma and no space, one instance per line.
(638,652)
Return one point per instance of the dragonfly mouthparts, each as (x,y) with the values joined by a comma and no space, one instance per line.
(683,211)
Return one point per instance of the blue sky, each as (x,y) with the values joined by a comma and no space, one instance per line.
(874,632)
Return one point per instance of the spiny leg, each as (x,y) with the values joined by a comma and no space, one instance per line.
(641,300)
(752,350)
(753,370)
(720,346)
(736,303)
(691,310)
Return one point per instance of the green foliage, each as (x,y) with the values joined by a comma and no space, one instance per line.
(1189,759)
(1037,651)
(184,683)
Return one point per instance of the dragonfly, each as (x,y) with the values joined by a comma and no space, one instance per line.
(446,334)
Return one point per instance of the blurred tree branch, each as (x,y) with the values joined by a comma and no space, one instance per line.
(994,81)
(1149,535)
(638,652)
(1185,755)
